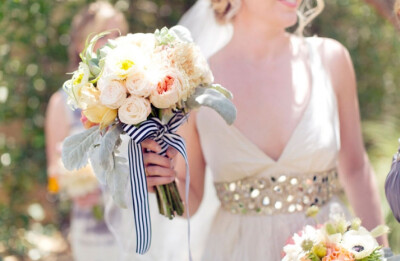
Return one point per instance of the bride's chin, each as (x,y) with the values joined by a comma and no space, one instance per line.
(289,21)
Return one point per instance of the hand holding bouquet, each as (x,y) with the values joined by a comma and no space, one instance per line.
(143,85)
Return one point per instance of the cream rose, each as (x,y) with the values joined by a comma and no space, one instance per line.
(134,110)
(171,89)
(141,82)
(113,94)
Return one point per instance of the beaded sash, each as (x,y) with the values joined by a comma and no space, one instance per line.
(286,193)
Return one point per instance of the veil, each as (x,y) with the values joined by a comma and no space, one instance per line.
(169,240)
(207,33)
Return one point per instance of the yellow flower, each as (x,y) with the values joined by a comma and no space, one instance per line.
(312,211)
(52,185)
(89,101)
(100,114)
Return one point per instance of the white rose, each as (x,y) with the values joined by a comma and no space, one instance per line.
(171,89)
(134,110)
(113,94)
(141,82)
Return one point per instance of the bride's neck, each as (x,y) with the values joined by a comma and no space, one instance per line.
(258,40)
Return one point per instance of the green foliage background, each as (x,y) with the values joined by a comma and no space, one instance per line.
(33,63)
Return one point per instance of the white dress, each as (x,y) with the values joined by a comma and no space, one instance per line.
(253,226)
(169,237)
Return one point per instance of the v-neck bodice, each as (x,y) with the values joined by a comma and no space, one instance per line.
(312,146)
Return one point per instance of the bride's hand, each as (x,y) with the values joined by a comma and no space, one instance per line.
(159,169)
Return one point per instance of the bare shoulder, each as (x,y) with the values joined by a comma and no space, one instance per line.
(56,100)
(336,60)
(332,51)
(56,105)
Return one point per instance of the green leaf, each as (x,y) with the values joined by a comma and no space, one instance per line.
(76,148)
(214,99)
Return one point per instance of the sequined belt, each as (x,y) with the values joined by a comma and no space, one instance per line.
(282,194)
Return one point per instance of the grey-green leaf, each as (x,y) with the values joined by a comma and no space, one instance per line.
(76,148)
(214,99)
(118,180)
(108,144)
(99,171)
(182,33)
(224,91)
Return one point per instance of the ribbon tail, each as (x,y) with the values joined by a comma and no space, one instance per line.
(178,143)
(140,199)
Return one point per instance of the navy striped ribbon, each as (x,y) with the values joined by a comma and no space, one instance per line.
(165,136)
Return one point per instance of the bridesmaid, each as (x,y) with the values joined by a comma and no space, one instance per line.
(90,239)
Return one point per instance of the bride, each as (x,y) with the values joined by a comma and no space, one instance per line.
(297,136)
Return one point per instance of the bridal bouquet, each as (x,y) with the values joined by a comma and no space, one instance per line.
(142,85)
(337,239)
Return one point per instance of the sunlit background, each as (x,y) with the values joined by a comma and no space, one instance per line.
(33,65)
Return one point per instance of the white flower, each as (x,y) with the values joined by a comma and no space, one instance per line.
(78,183)
(122,60)
(171,89)
(307,238)
(81,76)
(146,42)
(141,82)
(134,110)
(73,87)
(360,243)
(113,94)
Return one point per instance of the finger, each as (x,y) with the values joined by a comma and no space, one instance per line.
(150,189)
(151,145)
(155,159)
(171,152)
(155,181)
(159,171)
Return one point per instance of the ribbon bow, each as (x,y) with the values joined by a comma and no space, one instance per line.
(165,136)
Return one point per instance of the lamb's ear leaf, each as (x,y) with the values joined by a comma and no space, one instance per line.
(214,99)
(76,148)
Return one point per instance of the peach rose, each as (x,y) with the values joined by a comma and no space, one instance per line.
(134,110)
(171,89)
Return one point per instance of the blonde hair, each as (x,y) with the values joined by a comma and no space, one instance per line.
(94,18)
(225,11)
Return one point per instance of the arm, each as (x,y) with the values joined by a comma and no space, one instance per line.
(56,129)
(355,170)
(161,170)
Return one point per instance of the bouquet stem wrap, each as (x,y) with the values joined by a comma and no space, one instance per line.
(165,136)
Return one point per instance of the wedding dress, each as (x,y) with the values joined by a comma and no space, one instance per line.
(169,237)
(263,201)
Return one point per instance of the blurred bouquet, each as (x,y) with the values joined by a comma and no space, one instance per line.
(143,85)
(337,239)
(82,187)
